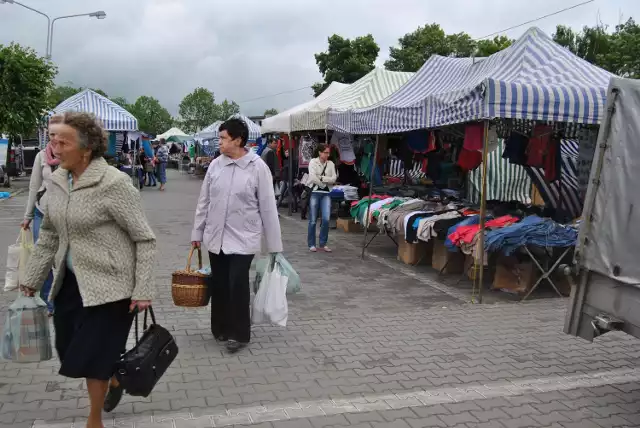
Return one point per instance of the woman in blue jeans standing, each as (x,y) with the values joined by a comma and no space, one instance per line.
(43,166)
(163,157)
(322,176)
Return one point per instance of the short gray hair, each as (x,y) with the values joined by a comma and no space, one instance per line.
(91,133)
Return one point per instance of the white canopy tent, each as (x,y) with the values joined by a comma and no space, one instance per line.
(282,122)
(174,132)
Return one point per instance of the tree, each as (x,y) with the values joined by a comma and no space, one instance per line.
(346,60)
(226,110)
(122,102)
(99,91)
(417,47)
(590,44)
(486,48)
(270,112)
(621,55)
(25,83)
(152,117)
(198,109)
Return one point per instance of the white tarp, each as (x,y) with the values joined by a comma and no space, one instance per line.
(612,241)
(173,132)
(281,122)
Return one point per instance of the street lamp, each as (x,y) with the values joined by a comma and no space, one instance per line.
(99,15)
(36,11)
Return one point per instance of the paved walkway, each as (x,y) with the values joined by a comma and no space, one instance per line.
(366,346)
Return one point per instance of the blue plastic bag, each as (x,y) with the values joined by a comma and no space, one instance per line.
(278,261)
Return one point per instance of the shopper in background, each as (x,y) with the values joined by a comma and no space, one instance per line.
(322,176)
(288,173)
(270,157)
(236,210)
(44,165)
(163,158)
(96,233)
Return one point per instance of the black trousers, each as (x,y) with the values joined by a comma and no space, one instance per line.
(230,296)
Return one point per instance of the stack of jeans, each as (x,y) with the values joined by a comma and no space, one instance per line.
(532,230)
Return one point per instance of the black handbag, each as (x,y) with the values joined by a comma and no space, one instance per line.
(142,367)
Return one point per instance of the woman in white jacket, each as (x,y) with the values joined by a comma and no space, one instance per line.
(322,177)
(43,166)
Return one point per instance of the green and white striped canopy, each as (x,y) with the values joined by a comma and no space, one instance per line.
(369,90)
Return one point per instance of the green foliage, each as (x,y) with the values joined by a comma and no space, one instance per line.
(486,48)
(417,47)
(61,93)
(197,110)
(25,83)
(346,60)
(122,102)
(152,117)
(270,112)
(226,110)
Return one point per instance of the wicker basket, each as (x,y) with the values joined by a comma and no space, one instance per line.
(188,287)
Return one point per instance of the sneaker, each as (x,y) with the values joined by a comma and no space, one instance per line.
(326,249)
(113,397)
(233,346)
(313,249)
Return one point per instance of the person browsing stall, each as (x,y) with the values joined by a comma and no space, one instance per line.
(322,177)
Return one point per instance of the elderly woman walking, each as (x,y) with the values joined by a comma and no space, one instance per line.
(96,234)
(236,209)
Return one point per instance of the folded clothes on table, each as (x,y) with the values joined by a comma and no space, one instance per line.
(532,230)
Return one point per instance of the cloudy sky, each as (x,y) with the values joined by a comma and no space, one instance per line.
(248,49)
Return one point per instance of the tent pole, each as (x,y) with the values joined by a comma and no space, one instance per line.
(371,174)
(483,208)
(290,178)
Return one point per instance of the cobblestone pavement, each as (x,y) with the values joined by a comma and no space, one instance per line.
(367,346)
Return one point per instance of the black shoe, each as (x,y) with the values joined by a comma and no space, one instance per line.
(113,397)
(234,346)
(221,338)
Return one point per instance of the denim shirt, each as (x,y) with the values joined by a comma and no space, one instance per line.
(237,208)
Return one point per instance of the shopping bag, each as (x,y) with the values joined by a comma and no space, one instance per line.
(26,247)
(17,258)
(270,304)
(262,264)
(26,337)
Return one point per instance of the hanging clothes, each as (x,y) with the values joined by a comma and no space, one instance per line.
(469,159)
(473,136)
(418,141)
(538,145)
(516,149)
(306,151)
(553,161)
(344,144)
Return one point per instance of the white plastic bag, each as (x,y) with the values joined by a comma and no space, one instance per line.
(26,337)
(26,247)
(17,258)
(270,304)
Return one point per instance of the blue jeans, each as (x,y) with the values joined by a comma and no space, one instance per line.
(319,202)
(151,178)
(162,172)
(46,288)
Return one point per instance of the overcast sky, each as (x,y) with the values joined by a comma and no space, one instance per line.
(245,49)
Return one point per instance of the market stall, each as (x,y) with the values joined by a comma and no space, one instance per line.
(535,97)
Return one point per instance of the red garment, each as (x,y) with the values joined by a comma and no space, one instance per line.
(469,159)
(473,136)
(551,163)
(465,234)
(431,145)
(538,144)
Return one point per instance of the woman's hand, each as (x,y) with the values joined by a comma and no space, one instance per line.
(195,244)
(140,304)
(25,223)
(27,291)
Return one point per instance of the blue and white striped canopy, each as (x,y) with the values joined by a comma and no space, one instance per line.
(212,131)
(113,117)
(534,79)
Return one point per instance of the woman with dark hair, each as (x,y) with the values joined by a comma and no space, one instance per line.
(322,177)
(236,210)
(96,233)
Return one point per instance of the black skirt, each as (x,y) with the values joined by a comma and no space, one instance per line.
(90,340)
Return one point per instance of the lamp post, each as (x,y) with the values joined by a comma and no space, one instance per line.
(99,15)
(38,12)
